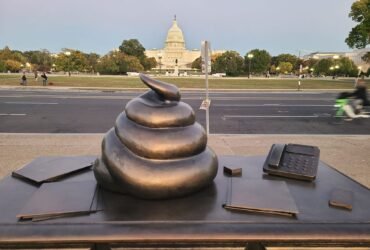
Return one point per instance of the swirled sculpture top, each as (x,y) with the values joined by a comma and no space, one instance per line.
(156,150)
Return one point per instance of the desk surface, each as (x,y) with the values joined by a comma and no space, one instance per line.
(198,218)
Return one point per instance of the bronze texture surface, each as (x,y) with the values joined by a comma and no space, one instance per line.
(195,219)
(156,150)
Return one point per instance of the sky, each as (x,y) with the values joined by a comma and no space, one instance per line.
(278,26)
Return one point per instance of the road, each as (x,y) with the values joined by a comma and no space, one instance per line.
(41,111)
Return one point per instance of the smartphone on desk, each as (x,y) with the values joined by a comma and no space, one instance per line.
(293,161)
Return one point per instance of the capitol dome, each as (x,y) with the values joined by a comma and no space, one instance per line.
(175,38)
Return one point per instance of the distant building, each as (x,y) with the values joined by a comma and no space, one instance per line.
(354,55)
(174,51)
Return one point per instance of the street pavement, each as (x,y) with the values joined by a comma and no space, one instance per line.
(246,112)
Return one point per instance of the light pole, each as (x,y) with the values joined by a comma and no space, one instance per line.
(336,67)
(160,63)
(250,56)
(359,71)
(68,53)
(332,70)
(335,57)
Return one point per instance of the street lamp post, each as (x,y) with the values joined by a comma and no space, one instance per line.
(336,69)
(68,53)
(335,57)
(359,71)
(312,70)
(250,56)
(332,70)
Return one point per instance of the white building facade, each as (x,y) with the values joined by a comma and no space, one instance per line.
(354,55)
(174,52)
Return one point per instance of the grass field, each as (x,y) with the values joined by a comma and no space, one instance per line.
(182,82)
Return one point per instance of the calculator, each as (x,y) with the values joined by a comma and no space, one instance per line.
(293,161)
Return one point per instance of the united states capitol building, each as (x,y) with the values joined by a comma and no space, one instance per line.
(174,52)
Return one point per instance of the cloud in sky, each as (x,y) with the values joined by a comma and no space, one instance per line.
(241,25)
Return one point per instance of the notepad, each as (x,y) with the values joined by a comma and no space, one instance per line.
(260,196)
(53,168)
(60,199)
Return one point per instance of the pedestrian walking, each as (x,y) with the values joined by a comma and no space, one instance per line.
(36,75)
(24,79)
(44,79)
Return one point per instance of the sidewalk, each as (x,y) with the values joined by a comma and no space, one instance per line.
(349,154)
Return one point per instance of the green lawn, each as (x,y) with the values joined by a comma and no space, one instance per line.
(182,82)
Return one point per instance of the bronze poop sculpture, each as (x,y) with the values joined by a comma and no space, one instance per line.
(156,150)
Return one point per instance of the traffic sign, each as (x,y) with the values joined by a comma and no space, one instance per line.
(206,56)
(205,104)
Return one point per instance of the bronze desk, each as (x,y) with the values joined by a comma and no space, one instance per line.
(196,220)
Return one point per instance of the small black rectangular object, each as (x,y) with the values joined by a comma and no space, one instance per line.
(233,171)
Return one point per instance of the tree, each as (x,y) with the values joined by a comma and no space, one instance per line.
(75,61)
(108,66)
(8,54)
(322,67)
(132,47)
(359,36)
(197,63)
(119,63)
(149,63)
(260,62)
(13,66)
(346,67)
(295,61)
(92,61)
(310,62)
(273,69)
(40,59)
(285,67)
(133,64)
(366,57)
(229,62)
(2,66)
